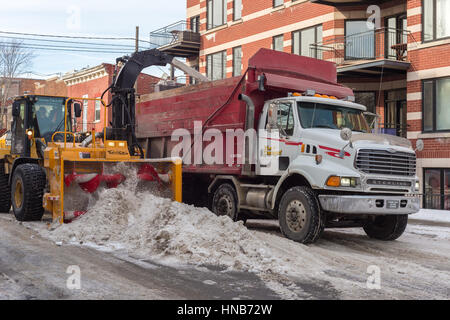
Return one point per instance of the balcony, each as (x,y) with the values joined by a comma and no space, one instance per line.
(372,52)
(337,3)
(179,39)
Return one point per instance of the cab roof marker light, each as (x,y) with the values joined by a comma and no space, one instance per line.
(350,99)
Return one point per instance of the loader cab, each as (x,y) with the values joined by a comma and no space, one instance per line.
(43,115)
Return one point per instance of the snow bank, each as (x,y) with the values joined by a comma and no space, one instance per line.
(432,215)
(132,219)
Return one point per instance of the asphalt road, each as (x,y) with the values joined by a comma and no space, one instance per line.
(35,268)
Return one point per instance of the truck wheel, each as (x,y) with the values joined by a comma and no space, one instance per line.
(224,202)
(386,228)
(27,190)
(5,191)
(299,215)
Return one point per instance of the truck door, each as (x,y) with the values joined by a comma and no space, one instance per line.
(289,146)
(274,140)
(19,140)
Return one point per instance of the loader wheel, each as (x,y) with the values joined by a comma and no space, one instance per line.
(5,191)
(27,190)
(224,202)
(299,215)
(386,228)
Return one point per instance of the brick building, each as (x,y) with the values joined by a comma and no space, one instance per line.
(395,56)
(91,83)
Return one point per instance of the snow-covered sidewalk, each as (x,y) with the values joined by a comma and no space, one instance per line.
(442,216)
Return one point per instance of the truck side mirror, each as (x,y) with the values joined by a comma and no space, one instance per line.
(346,134)
(16,109)
(272,116)
(77,109)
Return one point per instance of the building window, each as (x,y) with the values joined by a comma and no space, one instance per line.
(436,24)
(216,65)
(303,42)
(277,43)
(237,10)
(97,110)
(359,40)
(436,113)
(277,3)
(195,24)
(436,189)
(216,13)
(237,61)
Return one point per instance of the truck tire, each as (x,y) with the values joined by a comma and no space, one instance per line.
(5,191)
(299,215)
(224,202)
(27,190)
(386,228)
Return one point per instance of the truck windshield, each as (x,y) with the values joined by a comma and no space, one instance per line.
(49,116)
(319,115)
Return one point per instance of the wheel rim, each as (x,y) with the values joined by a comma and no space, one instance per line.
(18,194)
(295,216)
(225,206)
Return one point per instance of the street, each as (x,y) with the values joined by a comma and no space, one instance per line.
(414,267)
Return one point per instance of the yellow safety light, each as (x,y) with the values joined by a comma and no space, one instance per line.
(30,134)
(296,94)
(334,181)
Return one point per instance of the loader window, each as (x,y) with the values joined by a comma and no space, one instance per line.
(18,131)
(48,115)
(318,115)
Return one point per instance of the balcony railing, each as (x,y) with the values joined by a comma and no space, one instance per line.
(179,39)
(383,43)
(394,129)
(437,201)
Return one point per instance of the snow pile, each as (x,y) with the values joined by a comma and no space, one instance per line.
(152,226)
(432,215)
(147,226)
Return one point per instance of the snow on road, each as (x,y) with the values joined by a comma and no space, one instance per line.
(149,227)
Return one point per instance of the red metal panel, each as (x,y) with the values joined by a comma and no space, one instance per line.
(266,60)
(301,85)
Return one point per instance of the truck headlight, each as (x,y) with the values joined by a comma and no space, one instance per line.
(345,182)
(417,186)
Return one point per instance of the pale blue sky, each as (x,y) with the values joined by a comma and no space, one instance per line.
(106,18)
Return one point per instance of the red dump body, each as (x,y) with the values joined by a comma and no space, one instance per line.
(216,103)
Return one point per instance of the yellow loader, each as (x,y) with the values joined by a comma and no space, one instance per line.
(46,157)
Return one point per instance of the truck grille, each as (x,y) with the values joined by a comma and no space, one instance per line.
(385,162)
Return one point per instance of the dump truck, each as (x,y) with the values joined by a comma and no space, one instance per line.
(283,141)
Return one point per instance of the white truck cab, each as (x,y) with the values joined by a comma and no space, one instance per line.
(320,166)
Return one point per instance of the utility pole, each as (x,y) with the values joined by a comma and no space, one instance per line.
(136,50)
